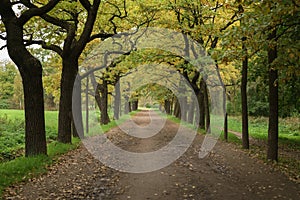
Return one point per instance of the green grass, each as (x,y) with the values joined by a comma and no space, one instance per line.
(12,137)
(231,138)
(12,134)
(289,129)
(51,122)
(23,168)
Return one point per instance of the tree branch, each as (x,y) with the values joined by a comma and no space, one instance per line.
(88,26)
(86,4)
(47,18)
(232,21)
(36,11)
(101,36)
(44,45)
(119,15)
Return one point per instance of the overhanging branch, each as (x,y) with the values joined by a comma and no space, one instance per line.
(35,11)
(44,45)
(48,18)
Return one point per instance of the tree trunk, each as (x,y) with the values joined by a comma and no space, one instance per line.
(172,106)
(101,97)
(31,72)
(127,108)
(69,72)
(272,153)
(191,112)
(77,125)
(226,127)
(104,102)
(167,106)
(177,111)
(135,105)
(117,100)
(183,101)
(87,105)
(200,96)
(245,133)
(206,108)
(35,136)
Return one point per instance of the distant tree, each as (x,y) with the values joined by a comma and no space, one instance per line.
(18,97)
(8,72)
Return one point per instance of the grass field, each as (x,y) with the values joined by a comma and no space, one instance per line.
(12,132)
(289,129)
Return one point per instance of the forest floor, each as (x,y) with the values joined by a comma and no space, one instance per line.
(228,172)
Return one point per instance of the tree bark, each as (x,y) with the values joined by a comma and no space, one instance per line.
(87,105)
(200,96)
(135,105)
(31,72)
(68,76)
(104,102)
(167,106)
(184,108)
(77,124)
(177,110)
(101,97)
(191,112)
(226,127)
(272,152)
(206,108)
(35,135)
(172,105)
(117,100)
(127,106)
(245,133)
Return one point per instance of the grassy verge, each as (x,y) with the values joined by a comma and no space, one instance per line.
(24,168)
(289,130)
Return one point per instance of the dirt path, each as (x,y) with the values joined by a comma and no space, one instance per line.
(227,173)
